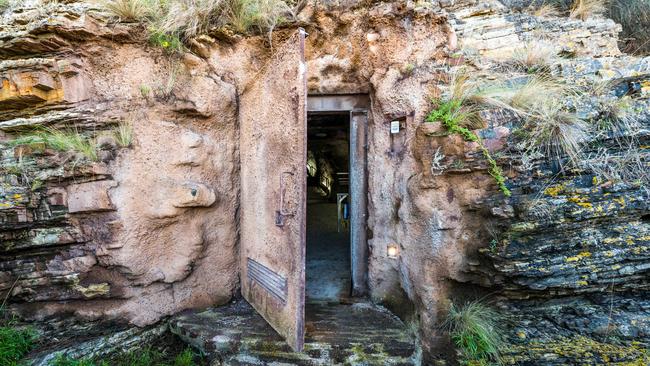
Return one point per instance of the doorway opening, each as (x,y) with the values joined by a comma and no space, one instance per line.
(328,264)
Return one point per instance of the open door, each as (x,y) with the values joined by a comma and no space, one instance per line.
(273,153)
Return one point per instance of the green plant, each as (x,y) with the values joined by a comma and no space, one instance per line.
(68,140)
(170,42)
(65,360)
(36,185)
(584,9)
(185,358)
(474,329)
(15,343)
(4,5)
(451,115)
(145,91)
(123,134)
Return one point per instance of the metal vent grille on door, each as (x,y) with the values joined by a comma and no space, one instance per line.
(272,282)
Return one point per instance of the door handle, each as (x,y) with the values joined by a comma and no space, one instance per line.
(283,212)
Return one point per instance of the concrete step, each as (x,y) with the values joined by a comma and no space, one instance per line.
(336,334)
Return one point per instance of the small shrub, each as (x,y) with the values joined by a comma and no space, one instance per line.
(15,343)
(474,329)
(123,134)
(585,9)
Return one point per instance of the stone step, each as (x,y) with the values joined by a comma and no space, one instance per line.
(352,334)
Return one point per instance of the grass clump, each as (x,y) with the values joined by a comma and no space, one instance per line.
(68,140)
(128,11)
(123,134)
(546,127)
(544,10)
(450,113)
(534,57)
(15,343)
(474,329)
(585,9)
(170,22)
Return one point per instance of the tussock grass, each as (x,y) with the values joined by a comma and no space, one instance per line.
(546,127)
(171,21)
(474,329)
(585,9)
(123,134)
(545,11)
(128,10)
(555,132)
(534,57)
(69,140)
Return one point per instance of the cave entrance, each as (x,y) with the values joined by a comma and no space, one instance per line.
(336,260)
(273,143)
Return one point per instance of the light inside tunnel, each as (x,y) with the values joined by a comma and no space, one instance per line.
(392,250)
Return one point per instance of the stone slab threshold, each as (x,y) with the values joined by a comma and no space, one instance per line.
(336,334)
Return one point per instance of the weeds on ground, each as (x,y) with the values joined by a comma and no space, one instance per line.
(474,329)
(15,341)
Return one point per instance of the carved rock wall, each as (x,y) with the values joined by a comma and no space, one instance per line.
(143,231)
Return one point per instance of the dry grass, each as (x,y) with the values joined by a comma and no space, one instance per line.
(123,134)
(190,18)
(585,9)
(544,11)
(128,10)
(534,57)
(547,128)
(556,133)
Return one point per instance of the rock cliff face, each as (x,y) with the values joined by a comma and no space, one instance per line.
(148,229)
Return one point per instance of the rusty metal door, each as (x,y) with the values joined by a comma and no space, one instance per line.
(273,153)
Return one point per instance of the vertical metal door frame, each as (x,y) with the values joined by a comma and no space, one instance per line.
(358,201)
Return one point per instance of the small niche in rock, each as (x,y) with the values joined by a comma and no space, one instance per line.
(645,218)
